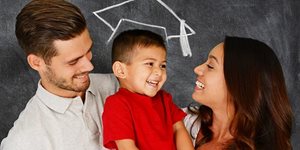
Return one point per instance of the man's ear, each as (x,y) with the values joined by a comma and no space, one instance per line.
(119,69)
(35,62)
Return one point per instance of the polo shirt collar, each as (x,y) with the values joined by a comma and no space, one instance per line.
(92,88)
(56,103)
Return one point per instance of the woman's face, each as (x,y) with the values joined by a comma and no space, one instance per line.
(210,89)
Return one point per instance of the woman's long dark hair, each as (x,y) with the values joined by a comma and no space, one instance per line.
(255,82)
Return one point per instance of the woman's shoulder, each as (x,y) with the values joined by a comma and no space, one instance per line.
(191,121)
(191,115)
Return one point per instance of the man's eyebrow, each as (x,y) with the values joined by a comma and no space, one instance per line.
(213,57)
(75,59)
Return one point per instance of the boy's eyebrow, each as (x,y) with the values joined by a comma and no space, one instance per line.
(153,59)
(213,57)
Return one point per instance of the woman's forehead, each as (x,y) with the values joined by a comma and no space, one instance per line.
(217,52)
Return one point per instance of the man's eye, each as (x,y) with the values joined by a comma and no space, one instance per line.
(72,63)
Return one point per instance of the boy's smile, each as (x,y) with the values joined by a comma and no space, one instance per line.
(146,72)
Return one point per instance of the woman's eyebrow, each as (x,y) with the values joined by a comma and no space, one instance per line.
(213,57)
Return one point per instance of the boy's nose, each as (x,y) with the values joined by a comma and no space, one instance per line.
(157,71)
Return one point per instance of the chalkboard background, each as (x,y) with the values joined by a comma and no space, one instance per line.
(275,22)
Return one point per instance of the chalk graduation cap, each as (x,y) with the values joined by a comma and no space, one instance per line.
(126,17)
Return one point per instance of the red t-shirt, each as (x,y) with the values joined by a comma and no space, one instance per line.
(148,121)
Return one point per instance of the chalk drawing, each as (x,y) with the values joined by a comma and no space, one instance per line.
(183,36)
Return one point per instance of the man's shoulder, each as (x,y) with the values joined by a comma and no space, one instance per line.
(23,129)
(21,139)
(103,85)
(104,80)
(30,115)
(102,76)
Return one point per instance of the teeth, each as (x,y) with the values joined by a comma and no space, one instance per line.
(153,82)
(80,76)
(200,85)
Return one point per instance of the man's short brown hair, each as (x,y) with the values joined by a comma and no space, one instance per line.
(41,22)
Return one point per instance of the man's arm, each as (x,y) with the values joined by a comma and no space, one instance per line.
(182,138)
(126,144)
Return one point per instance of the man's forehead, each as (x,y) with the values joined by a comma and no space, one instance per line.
(69,53)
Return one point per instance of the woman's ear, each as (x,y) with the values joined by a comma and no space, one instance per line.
(119,69)
(35,62)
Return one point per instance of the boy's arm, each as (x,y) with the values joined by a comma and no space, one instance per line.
(182,138)
(126,144)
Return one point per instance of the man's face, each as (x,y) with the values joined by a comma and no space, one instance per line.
(67,73)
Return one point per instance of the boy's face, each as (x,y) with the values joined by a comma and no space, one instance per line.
(146,72)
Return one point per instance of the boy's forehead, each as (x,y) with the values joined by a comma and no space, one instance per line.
(148,51)
(141,47)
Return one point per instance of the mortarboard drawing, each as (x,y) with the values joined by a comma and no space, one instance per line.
(183,35)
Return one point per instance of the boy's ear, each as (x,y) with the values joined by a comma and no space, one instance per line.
(35,62)
(119,69)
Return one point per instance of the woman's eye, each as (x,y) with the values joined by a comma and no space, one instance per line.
(210,66)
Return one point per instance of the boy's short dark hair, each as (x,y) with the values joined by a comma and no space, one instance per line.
(41,22)
(126,43)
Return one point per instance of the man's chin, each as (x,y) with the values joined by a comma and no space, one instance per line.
(83,88)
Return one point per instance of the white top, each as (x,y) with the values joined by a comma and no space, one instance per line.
(50,122)
(188,122)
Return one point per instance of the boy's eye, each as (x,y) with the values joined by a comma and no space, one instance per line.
(149,64)
(163,66)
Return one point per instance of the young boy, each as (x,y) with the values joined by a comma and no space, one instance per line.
(140,115)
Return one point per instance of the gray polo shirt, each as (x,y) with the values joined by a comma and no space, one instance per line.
(50,122)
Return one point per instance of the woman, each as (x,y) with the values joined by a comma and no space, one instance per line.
(244,99)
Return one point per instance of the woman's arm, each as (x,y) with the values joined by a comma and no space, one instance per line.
(182,138)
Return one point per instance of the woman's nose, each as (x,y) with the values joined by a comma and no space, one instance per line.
(199,70)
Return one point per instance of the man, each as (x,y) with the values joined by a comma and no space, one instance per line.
(65,113)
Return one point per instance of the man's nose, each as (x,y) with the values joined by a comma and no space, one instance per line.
(87,65)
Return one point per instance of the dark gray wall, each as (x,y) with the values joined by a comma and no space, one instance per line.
(275,22)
